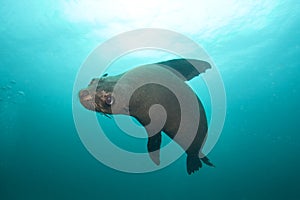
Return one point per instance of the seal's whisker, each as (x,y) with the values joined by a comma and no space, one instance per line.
(106,115)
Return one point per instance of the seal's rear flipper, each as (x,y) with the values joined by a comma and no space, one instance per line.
(207,161)
(153,147)
(193,163)
(186,69)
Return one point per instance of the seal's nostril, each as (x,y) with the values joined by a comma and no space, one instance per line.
(83,93)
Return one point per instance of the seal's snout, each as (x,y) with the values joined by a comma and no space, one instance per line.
(83,93)
(86,99)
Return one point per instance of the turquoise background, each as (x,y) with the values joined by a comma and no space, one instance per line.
(42,157)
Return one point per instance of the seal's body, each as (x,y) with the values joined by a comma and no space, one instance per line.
(157,96)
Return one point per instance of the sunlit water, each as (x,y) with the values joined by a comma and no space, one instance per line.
(256,47)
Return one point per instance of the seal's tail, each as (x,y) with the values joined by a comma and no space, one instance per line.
(193,163)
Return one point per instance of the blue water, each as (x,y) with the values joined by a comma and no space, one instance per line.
(44,43)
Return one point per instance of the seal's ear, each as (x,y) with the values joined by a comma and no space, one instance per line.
(104,75)
(186,69)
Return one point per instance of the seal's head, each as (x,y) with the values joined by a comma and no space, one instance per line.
(98,96)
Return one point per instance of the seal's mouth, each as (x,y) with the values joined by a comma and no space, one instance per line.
(90,105)
(87,100)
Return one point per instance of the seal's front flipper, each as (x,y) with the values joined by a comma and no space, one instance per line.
(186,69)
(153,146)
(193,163)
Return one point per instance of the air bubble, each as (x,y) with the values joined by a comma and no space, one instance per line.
(21,93)
(13,82)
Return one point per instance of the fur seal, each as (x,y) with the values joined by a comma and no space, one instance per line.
(109,95)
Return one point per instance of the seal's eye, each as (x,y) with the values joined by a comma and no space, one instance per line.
(109,100)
